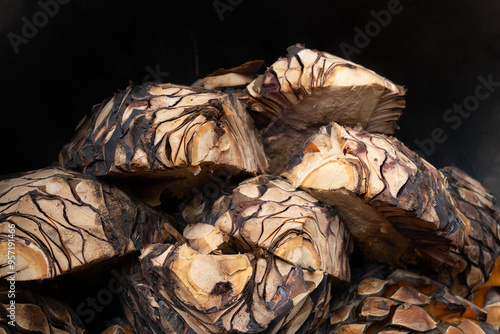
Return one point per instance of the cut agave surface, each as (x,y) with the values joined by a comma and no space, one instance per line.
(175,289)
(164,137)
(309,89)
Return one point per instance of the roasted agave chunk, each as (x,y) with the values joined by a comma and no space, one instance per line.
(267,212)
(165,137)
(402,210)
(396,205)
(175,289)
(58,221)
(385,300)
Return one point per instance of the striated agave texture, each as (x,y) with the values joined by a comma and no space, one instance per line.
(59,221)
(175,289)
(391,301)
(165,137)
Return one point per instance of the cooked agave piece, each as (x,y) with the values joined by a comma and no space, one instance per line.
(309,89)
(268,212)
(165,137)
(175,289)
(394,185)
(236,77)
(396,301)
(208,239)
(483,246)
(394,203)
(488,298)
(54,221)
(119,329)
(35,311)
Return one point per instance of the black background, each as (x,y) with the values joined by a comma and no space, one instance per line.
(90,49)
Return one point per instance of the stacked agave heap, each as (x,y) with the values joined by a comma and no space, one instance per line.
(235,205)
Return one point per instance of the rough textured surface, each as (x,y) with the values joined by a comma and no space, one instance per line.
(309,89)
(483,263)
(395,203)
(36,312)
(268,212)
(62,221)
(488,298)
(483,246)
(385,300)
(119,329)
(165,137)
(178,290)
(206,275)
(234,78)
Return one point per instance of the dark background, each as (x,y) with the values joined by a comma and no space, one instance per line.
(90,49)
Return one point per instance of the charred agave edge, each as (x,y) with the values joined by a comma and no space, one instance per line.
(138,224)
(91,156)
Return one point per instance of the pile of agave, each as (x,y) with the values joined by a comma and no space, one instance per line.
(237,205)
